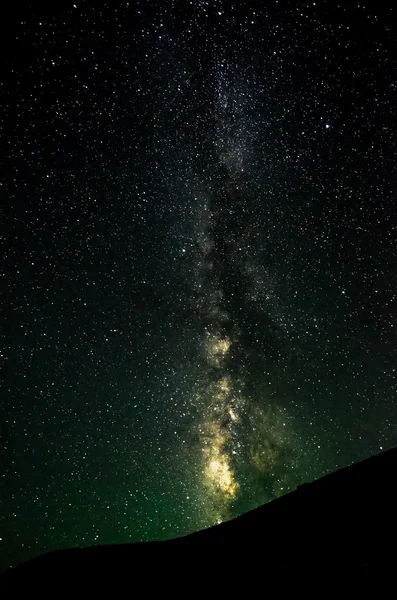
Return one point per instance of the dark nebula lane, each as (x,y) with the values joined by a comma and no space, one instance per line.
(199,261)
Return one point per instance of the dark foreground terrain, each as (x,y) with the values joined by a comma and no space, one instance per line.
(347,518)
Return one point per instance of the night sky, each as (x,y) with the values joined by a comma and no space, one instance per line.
(199,260)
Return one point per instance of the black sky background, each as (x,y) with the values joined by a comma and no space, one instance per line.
(164,164)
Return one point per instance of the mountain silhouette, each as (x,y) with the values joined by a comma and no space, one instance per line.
(345,518)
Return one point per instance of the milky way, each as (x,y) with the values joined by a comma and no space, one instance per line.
(240,427)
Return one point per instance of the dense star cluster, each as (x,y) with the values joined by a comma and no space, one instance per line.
(199,261)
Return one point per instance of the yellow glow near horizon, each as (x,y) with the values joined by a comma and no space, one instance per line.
(221,475)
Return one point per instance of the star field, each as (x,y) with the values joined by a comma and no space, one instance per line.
(199,261)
